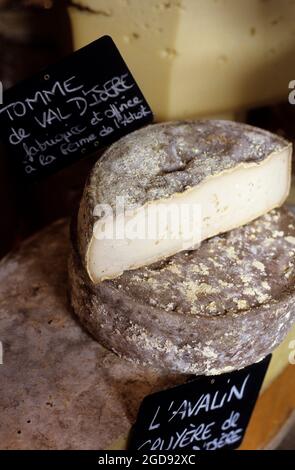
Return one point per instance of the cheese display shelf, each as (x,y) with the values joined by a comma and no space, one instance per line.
(60,389)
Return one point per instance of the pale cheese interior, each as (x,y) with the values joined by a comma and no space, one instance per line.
(227,200)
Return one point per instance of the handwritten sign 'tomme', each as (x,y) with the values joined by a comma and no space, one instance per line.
(85,102)
(207,413)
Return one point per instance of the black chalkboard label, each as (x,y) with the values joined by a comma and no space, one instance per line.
(207,413)
(73,108)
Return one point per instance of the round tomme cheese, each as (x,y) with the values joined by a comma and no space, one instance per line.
(207,311)
(166,187)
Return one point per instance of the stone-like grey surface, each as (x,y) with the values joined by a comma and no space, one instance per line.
(59,389)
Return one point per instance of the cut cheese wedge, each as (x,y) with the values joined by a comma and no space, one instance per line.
(165,188)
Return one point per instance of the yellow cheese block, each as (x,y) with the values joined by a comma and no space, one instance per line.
(280,359)
(197,57)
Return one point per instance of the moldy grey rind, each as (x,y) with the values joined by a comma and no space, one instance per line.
(212,310)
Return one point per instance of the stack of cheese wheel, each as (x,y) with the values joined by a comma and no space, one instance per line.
(166,301)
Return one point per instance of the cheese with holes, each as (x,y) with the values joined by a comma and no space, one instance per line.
(197,57)
(173,185)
